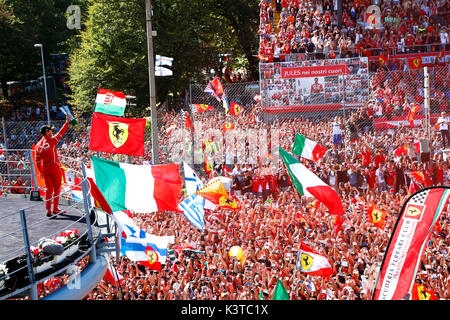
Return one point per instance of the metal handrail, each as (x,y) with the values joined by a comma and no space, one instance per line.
(26,248)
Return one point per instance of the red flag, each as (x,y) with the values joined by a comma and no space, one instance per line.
(117,135)
(408,242)
(198,108)
(235,109)
(376,216)
(217,86)
(415,63)
(112,276)
(227,126)
(99,199)
(383,58)
(420,292)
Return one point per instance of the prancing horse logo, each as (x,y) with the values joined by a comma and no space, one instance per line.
(118,133)
(306,261)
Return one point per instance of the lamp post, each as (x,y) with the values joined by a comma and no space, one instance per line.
(151,76)
(39,45)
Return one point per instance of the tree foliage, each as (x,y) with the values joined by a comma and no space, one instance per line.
(112,50)
(24,23)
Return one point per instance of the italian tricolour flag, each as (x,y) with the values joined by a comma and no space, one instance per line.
(139,188)
(307,148)
(310,185)
(110,102)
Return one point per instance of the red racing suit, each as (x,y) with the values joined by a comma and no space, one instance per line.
(50,167)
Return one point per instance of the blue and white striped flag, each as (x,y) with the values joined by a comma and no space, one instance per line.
(163,61)
(138,245)
(193,208)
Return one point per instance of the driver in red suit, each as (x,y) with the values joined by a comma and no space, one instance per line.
(47,162)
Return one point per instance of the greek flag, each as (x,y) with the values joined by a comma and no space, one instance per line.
(193,206)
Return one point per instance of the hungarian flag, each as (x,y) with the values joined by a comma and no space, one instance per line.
(310,185)
(415,63)
(117,135)
(235,109)
(376,216)
(110,102)
(139,188)
(99,200)
(280,292)
(420,292)
(227,126)
(408,241)
(307,148)
(218,195)
(198,108)
(311,262)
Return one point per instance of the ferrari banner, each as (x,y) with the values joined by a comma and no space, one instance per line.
(408,241)
(117,134)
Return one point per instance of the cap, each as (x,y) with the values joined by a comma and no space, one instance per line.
(45,128)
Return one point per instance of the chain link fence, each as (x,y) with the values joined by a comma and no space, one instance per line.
(251,135)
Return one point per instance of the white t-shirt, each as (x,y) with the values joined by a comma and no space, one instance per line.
(336,128)
(443,122)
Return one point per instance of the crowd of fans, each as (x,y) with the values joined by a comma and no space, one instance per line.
(362,166)
(312,27)
(274,219)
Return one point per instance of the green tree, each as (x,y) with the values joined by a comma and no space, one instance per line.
(112,50)
(24,23)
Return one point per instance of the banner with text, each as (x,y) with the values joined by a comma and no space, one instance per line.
(313,84)
(408,242)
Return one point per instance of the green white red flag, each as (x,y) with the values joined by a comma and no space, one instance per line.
(310,185)
(307,148)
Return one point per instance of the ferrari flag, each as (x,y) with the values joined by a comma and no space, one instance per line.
(311,262)
(408,241)
(117,135)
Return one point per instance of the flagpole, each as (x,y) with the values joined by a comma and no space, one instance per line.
(151,83)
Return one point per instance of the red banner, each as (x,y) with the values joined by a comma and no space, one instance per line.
(309,72)
(408,241)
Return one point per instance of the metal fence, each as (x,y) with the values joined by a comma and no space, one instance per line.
(385,110)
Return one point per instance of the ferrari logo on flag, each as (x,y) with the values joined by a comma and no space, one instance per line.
(376,215)
(152,257)
(423,294)
(118,133)
(416,62)
(306,261)
(225,201)
(414,211)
